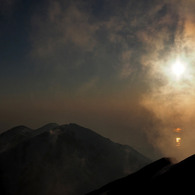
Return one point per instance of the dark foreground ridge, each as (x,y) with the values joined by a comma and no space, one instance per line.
(159,177)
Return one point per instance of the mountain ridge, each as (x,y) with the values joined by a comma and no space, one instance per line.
(160,177)
(69,157)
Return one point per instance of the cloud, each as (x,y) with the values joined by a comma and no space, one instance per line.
(62,24)
(88,86)
(71,39)
(171,101)
(7,6)
(126,68)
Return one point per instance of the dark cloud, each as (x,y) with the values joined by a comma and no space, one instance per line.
(95,38)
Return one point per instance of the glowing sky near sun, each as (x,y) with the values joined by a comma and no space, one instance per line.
(123,68)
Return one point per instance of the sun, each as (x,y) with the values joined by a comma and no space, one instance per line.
(178,68)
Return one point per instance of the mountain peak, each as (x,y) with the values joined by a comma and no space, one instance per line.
(18,134)
(18,129)
(49,126)
(11,137)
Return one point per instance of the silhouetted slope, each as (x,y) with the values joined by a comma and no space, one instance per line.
(178,178)
(160,177)
(67,159)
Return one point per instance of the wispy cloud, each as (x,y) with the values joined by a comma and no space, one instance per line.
(7,6)
(60,25)
(171,100)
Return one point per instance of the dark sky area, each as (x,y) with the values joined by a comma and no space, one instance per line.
(103,64)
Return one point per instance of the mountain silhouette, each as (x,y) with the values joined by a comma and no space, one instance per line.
(61,159)
(159,177)
(18,134)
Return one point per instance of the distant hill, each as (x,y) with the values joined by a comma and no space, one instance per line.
(159,177)
(67,159)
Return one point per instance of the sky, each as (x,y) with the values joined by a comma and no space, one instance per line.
(103,64)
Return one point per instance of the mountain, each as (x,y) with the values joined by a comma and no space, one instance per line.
(18,134)
(61,159)
(159,177)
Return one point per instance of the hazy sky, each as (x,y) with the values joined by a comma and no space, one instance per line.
(104,64)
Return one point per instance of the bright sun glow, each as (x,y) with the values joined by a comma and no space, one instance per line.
(178,68)
(178,141)
(178,138)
